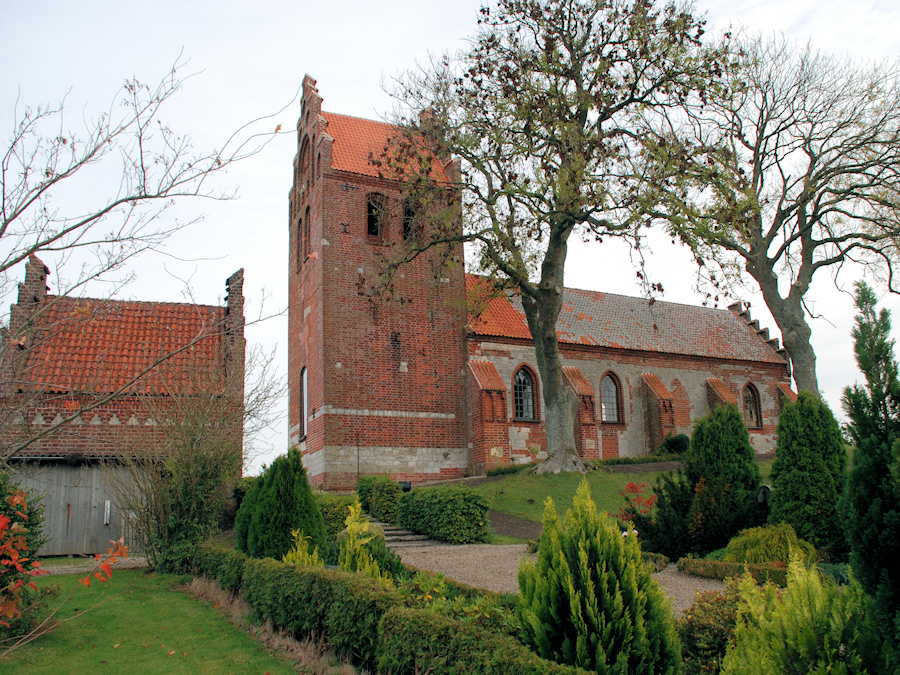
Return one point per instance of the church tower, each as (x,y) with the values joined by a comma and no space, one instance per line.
(376,385)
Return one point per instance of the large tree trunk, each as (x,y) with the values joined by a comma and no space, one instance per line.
(795,331)
(561,403)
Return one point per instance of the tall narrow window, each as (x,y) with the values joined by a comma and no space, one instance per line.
(304,165)
(523,395)
(752,418)
(375,215)
(306,226)
(609,399)
(410,227)
(300,255)
(304,401)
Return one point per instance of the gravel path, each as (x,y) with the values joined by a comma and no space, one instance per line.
(496,568)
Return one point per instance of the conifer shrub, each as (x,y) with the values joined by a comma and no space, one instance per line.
(871,501)
(280,501)
(813,626)
(773,543)
(701,506)
(808,473)
(706,628)
(590,601)
(454,514)
(383,495)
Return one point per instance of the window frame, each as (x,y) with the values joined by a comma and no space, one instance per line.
(376,206)
(535,395)
(617,383)
(751,389)
(304,402)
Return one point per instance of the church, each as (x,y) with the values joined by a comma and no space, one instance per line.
(424,387)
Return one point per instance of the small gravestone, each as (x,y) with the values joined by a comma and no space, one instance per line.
(763,496)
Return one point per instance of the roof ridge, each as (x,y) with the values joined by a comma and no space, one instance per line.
(58,298)
(325,114)
(616,295)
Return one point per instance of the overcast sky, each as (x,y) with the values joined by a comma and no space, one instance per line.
(248,61)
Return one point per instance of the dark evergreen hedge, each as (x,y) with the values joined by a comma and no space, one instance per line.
(454,514)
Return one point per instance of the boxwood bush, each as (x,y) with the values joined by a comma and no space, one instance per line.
(454,514)
(422,641)
(367,621)
(384,493)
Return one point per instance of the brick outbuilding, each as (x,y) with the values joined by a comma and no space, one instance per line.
(77,374)
(422,386)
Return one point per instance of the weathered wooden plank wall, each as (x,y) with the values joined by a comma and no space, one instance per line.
(80,515)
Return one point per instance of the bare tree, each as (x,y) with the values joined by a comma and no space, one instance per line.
(134,168)
(538,112)
(790,166)
(174,478)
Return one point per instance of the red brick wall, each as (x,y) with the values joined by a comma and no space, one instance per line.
(386,376)
(642,430)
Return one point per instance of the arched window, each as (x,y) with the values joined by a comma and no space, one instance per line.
(752,417)
(609,399)
(304,401)
(306,226)
(375,215)
(300,256)
(304,165)
(411,228)
(319,165)
(524,395)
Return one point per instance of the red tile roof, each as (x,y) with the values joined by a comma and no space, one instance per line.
(98,346)
(721,391)
(787,391)
(623,322)
(356,139)
(579,382)
(656,386)
(486,375)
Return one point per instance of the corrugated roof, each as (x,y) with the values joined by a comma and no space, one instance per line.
(486,375)
(624,322)
(356,139)
(98,346)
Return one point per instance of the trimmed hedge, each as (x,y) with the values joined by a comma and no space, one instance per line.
(384,493)
(366,621)
(454,514)
(714,569)
(423,641)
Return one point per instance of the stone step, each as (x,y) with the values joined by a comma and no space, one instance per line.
(397,537)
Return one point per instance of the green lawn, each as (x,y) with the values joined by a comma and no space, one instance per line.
(523,494)
(146,625)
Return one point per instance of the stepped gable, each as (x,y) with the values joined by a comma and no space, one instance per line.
(98,346)
(598,319)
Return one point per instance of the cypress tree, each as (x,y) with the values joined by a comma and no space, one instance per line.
(245,514)
(700,507)
(284,502)
(808,473)
(590,601)
(871,500)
